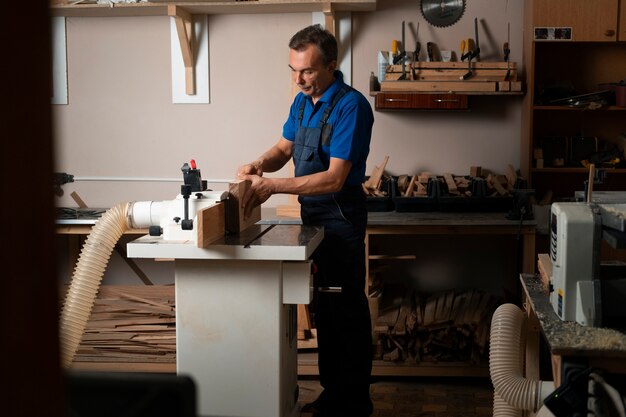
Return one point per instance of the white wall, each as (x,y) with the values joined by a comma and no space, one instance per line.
(120,121)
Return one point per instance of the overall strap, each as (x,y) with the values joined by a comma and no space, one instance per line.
(345,89)
(301,111)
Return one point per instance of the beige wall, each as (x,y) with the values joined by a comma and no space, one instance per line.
(120,121)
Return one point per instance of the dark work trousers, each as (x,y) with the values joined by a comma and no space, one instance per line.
(342,319)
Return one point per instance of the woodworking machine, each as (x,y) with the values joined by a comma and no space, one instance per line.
(197,214)
(582,288)
(238,285)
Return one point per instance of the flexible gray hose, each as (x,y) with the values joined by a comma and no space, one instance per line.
(85,283)
(505,364)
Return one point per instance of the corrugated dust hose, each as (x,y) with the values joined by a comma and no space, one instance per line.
(87,277)
(513,392)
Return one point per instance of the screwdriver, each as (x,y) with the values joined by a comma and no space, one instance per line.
(463,45)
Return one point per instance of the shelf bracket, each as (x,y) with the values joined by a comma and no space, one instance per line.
(329,18)
(184,28)
(340,24)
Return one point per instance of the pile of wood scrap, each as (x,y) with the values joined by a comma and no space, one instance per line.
(451,327)
(457,185)
(415,185)
(135,324)
(501,185)
(373,186)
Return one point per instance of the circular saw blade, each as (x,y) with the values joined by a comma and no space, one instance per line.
(442,13)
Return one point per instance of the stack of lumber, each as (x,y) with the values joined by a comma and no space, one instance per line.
(451,327)
(135,324)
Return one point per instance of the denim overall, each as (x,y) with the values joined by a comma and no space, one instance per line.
(342,319)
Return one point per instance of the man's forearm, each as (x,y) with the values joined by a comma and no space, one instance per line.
(314,184)
(275,158)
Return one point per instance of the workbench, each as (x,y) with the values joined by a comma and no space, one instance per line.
(567,341)
(393,225)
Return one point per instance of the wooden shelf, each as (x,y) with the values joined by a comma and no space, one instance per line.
(460,93)
(205,7)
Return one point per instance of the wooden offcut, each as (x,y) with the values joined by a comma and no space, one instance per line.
(377,174)
(452,188)
(210,224)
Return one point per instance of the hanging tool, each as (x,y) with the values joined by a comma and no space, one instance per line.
(416,53)
(394,52)
(429,51)
(403,54)
(469,44)
(466,45)
(507,52)
(476,52)
(416,58)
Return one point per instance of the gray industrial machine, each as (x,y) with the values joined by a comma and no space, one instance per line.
(582,287)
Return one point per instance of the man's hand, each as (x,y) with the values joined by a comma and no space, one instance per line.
(253,168)
(257,194)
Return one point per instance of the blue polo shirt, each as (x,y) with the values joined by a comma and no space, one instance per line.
(351,119)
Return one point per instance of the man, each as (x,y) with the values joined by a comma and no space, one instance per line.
(328,135)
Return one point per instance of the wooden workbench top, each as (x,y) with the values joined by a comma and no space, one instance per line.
(435,218)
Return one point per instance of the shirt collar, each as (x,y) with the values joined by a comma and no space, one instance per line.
(330,92)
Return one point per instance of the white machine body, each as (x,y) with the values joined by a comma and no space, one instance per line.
(163,213)
(574,245)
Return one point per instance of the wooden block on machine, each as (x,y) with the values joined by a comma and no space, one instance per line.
(235,216)
(210,224)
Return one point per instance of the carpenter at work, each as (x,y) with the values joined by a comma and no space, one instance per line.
(328,134)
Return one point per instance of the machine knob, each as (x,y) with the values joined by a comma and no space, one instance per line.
(176,219)
(155,230)
(187,224)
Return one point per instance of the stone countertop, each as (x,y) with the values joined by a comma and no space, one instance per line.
(569,338)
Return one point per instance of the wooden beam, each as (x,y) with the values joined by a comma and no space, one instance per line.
(184,28)
(329,18)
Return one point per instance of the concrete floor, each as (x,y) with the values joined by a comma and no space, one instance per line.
(420,397)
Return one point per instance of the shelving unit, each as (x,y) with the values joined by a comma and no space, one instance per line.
(595,55)
(483,243)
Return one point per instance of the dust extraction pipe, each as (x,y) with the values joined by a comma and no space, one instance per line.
(513,392)
(86,279)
